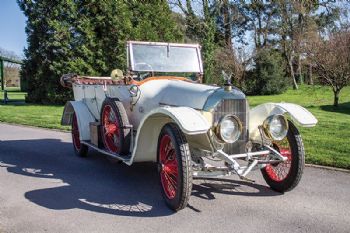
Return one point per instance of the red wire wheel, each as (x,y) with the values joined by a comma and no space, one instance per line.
(286,175)
(115,127)
(174,167)
(169,174)
(279,172)
(79,148)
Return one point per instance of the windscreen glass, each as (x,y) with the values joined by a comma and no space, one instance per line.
(164,58)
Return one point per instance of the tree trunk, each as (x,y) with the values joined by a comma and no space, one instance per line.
(299,73)
(295,84)
(336,97)
(208,43)
(227,25)
(311,80)
(259,30)
(189,8)
(298,42)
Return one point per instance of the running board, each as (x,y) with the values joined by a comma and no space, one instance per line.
(125,158)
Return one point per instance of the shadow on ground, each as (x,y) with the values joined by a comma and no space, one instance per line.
(342,108)
(15,97)
(100,185)
(13,103)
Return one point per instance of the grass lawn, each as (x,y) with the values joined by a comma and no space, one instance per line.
(16,111)
(326,144)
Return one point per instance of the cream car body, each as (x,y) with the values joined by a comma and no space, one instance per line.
(197,109)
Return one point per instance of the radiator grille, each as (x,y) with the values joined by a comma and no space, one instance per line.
(239,108)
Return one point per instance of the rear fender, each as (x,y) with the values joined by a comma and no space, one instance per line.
(84,117)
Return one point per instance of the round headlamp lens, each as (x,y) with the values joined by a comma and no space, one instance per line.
(229,129)
(276,127)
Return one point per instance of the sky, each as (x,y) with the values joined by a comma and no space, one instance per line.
(12,27)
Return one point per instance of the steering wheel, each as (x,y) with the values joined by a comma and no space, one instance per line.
(147,74)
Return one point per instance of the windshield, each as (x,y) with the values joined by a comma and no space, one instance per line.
(165,58)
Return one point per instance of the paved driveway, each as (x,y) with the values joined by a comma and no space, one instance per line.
(44,187)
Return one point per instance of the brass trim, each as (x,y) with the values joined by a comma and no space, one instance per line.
(220,94)
(266,125)
(217,126)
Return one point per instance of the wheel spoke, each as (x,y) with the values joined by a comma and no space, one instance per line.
(280,171)
(169,172)
(106,116)
(286,152)
(171,180)
(172,167)
(75,133)
(170,156)
(111,129)
(111,132)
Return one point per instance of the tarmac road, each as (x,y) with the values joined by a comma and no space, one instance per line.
(44,187)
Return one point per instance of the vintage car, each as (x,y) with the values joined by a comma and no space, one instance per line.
(159,111)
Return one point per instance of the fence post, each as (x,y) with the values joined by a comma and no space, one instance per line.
(6,99)
(2,74)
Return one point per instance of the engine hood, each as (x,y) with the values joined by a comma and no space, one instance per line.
(221,94)
(183,93)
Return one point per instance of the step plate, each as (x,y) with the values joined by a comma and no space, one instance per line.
(123,158)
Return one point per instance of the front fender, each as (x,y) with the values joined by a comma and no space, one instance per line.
(298,114)
(190,121)
(84,117)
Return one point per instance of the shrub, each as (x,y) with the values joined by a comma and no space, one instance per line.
(267,77)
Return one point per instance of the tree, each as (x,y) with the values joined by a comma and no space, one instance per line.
(289,33)
(226,60)
(153,20)
(86,37)
(231,24)
(332,61)
(228,22)
(267,77)
(201,28)
(49,49)
(296,20)
(260,16)
(100,32)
